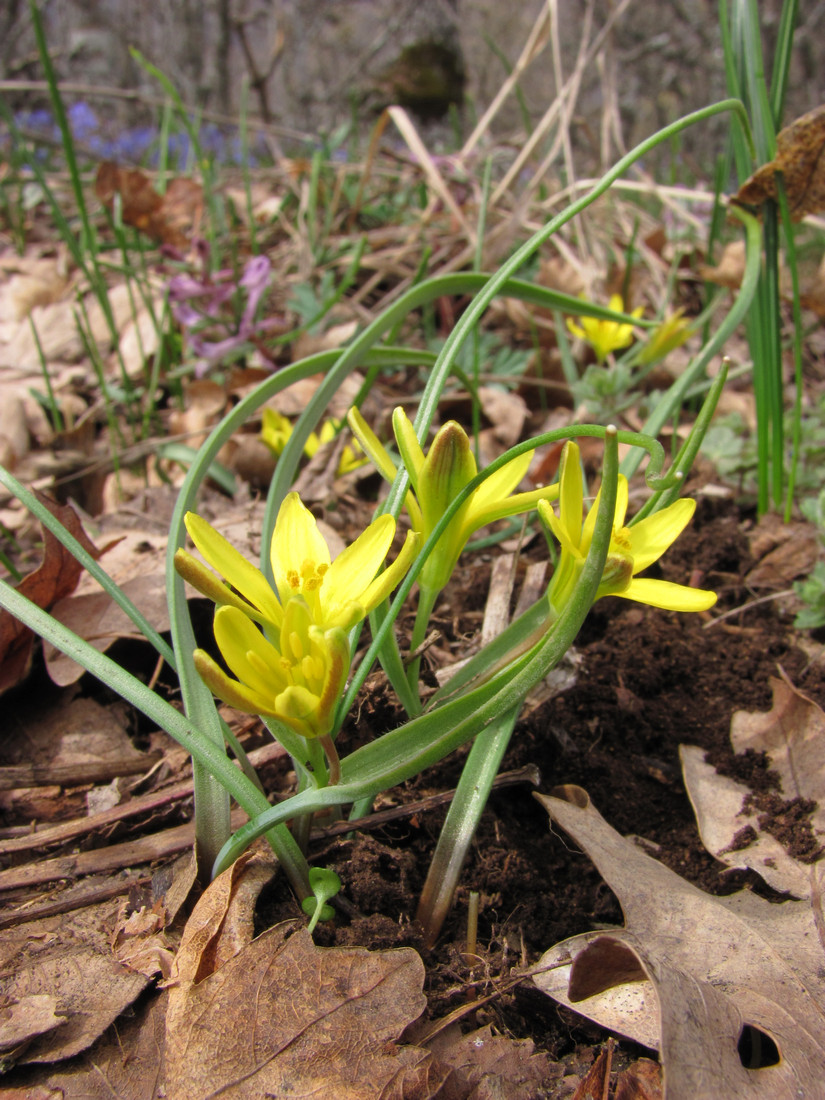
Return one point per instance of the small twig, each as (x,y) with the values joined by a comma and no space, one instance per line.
(529,774)
(145,804)
(74,775)
(747,606)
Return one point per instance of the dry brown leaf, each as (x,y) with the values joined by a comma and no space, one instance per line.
(55,578)
(139,341)
(506,412)
(170,218)
(793,555)
(596,1082)
(493,1066)
(204,402)
(70,959)
(254,1017)
(139,942)
(799,157)
(126,1063)
(31,280)
(734,834)
(136,561)
(698,968)
(640,1081)
(812,292)
(23,1020)
(730,269)
(68,733)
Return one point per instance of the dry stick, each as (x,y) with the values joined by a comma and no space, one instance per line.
(114,858)
(536,42)
(145,804)
(74,775)
(258,77)
(405,127)
(171,841)
(734,611)
(567,103)
(72,900)
(570,90)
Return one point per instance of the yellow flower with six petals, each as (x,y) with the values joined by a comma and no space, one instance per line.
(298,681)
(338,593)
(605,336)
(631,551)
(276,430)
(437,478)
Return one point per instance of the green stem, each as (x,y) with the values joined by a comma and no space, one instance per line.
(426,603)
(463,816)
(333,759)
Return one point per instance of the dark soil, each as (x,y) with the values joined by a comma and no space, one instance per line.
(649,681)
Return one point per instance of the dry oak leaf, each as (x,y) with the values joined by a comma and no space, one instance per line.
(171,218)
(279,1017)
(800,157)
(54,578)
(692,970)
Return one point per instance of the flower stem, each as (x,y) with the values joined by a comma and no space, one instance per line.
(426,603)
(461,823)
(333,760)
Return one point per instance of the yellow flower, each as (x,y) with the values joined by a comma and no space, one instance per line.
(338,594)
(276,430)
(670,334)
(298,681)
(437,478)
(605,336)
(632,549)
(348,461)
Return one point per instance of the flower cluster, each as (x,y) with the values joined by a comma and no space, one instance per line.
(437,478)
(203,306)
(286,644)
(605,336)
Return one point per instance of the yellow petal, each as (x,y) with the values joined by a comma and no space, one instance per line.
(652,536)
(194,572)
(622,497)
(371,444)
(665,594)
(571,491)
(502,483)
(233,567)
(392,576)
(381,460)
(408,445)
(230,691)
(510,506)
(295,541)
(558,528)
(237,637)
(352,572)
